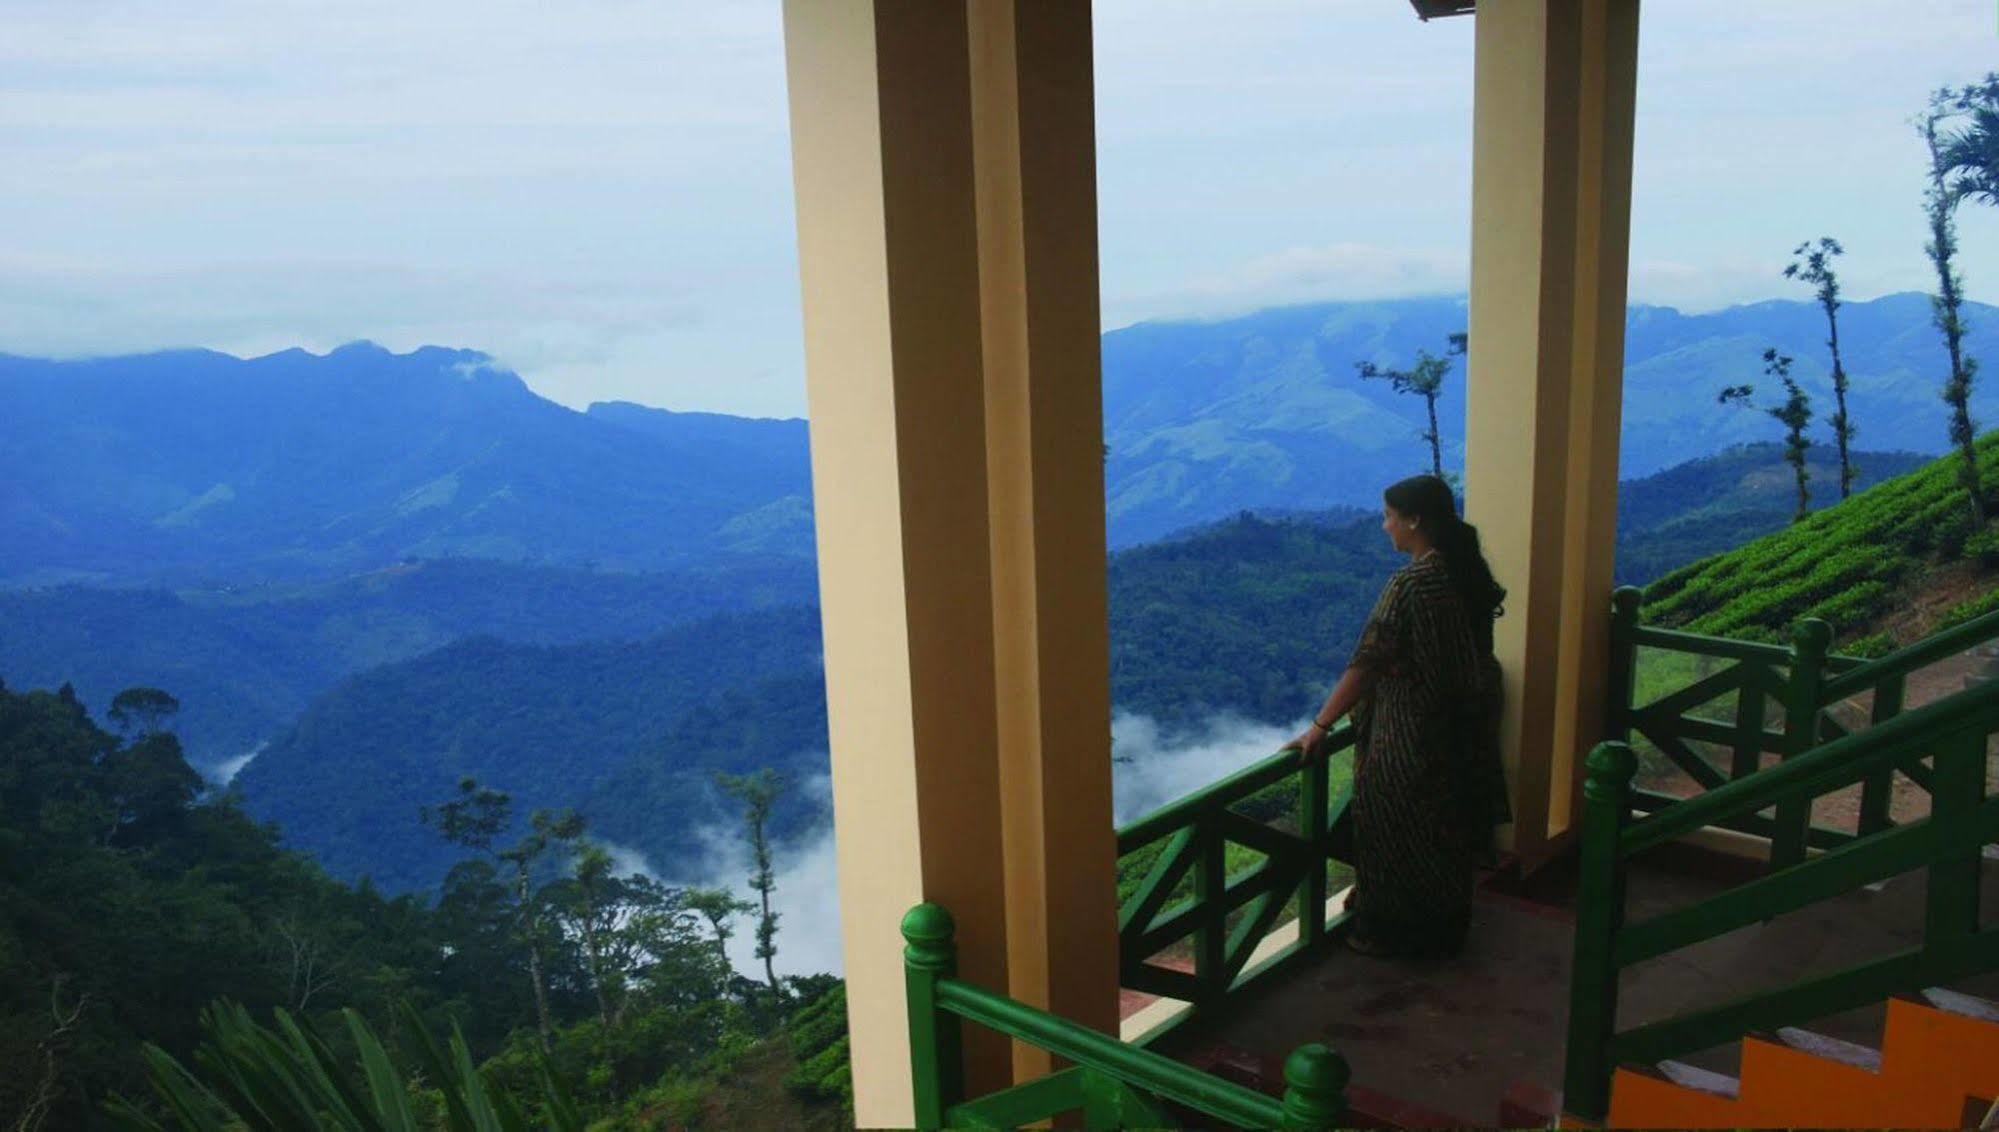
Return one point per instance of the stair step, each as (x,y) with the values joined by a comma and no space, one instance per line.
(1957,1002)
(1700,1080)
(1832,1049)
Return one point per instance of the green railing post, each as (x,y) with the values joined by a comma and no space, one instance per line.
(1958,787)
(1315,1083)
(935,1052)
(1313,798)
(1878,790)
(1809,642)
(1599,914)
(1623,662)
(1211,882)
(1751,704)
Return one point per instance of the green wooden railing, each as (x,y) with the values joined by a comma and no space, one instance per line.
(1804,680)
(1112,1084)
(1190,898)
(1953,733)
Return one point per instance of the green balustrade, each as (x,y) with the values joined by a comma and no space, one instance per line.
(1190,899)
(1110,1083)
(1955,732)
(1805,681)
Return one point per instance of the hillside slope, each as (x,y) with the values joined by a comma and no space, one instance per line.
(1704,507)
(546,724)
(1904,544)
(244,661)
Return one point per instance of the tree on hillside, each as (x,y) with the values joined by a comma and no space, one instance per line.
(1815,267)
(593,902)
(758,794)
(631,929)
(144,708)
(1794,413)
(475,819)
(1939,203)
(718,906)
(1426,380)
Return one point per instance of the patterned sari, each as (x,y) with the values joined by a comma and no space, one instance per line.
(1428,786)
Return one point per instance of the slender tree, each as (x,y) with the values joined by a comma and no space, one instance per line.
(1426,380)
(1947,305)
(1813,265)
(758,794)
(475,819)
(592,902)
(719,907)
(1794,413)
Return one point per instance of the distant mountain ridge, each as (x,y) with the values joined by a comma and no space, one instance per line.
(1264,411)
(194,466)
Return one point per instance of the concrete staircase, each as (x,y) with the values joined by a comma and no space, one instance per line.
(1937,1067)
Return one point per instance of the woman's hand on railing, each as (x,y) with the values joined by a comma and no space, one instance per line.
(1310,744)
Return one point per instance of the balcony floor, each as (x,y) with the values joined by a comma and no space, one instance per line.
(1443,1043)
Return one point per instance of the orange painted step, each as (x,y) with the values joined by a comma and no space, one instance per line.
(1939,1054)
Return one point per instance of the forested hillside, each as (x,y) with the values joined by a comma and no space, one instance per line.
(132,906)
(245,660)
(547,724)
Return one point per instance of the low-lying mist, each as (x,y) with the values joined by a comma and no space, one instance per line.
(1154,767)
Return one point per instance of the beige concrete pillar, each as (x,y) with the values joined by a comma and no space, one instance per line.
(1551,176)
(944,159)
(888,239)
(1033,109)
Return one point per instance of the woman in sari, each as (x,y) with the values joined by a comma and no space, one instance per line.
(1423,689)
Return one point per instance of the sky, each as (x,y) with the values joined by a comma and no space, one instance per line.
(598,192)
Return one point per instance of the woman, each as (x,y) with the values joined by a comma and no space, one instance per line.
(1424,691)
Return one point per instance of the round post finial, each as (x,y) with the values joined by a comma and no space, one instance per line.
(1624,602)
(1610,767)
(1812,636)
(927,932)
(1315,1080)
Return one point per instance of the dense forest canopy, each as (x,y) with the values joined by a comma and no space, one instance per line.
(132,901)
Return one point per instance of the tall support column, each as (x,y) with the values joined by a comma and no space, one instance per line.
(1554,92)
(1034,124)
(944,157)
(888,251)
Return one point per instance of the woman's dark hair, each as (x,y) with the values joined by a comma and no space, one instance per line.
(1428,500)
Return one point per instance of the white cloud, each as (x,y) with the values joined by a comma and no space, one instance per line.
(599,194)
(806,897)
(223,772)
(1164,766)
(1300,274)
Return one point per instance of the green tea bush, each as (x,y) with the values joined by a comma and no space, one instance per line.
(1871,646)
(1969,608)
(1984,546)
(1845,563)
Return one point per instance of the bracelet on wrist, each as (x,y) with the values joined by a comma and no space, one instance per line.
(1320,726)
